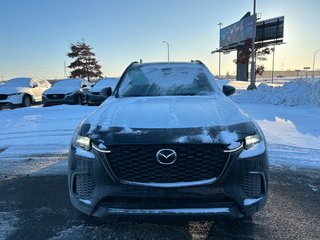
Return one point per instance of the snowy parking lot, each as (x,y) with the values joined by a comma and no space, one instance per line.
(292,132)
(34,142)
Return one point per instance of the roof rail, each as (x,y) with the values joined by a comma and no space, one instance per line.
(198,61)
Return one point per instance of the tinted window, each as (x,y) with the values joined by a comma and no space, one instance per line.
(157,80)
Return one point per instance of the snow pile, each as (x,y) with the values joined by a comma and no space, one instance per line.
(294,93)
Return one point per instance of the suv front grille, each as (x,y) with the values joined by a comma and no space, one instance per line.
(55,96)
(138,163)
(95,93)
(3,96)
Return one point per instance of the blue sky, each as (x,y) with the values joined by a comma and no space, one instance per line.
(36,34)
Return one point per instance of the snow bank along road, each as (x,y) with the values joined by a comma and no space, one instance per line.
(34,141)
(29,134)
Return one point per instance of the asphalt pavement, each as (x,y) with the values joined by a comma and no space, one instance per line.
(38,207)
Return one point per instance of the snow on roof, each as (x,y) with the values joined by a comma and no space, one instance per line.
(18,82)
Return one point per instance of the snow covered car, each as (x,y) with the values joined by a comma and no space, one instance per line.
(22,91)
(168,142)
(67,91)
(94,95)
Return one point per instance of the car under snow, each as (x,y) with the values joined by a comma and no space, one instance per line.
(67,91)
(168,142)
(22,91)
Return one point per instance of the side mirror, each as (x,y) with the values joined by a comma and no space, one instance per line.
(228,90)
(106,92)
(35,84)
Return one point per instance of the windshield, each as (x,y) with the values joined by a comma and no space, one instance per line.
(17,82)
(166,80)
(67,84)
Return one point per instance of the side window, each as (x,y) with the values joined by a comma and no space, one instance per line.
(84,84)
(34,83)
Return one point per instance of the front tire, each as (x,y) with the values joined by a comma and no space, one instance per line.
(26,101)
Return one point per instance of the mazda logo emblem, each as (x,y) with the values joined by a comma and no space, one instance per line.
(166,156)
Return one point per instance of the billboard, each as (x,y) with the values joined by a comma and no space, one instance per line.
(238,32)
(270,29)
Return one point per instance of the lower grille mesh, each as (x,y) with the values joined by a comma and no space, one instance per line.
(137,163)
(84,185)
(55,96)
(251,185)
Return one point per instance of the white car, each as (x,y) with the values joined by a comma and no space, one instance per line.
(22,91)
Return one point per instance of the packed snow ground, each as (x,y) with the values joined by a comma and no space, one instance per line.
(36,139)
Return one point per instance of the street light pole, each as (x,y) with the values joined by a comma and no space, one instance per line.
(167,48)
(274,49)
(253,75)
(314,60)
(219,24)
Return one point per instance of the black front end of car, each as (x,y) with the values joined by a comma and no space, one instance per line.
(94,98)
(127,177)
(57,99)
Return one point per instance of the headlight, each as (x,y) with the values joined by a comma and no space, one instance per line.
(82,142)
(252,140)
(69,93)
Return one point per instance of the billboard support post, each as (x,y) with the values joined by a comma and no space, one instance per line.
(274,49)
(220,24)
(253,54)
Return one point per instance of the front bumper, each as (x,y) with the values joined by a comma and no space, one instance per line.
(95,99)
(102,195)
(72,99)
(11,101)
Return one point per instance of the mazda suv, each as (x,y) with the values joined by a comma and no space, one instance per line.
(168,141)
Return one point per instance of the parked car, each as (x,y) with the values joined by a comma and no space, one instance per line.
(94,95)
(22,91)
(67,91)
(168,142)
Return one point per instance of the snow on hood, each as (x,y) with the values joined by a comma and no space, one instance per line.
(60,90)
(10,90)
(167,112)
(103,83)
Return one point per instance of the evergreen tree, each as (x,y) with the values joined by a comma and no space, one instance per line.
(85,64)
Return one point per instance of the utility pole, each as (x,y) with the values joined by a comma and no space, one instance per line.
(167,48)
(65,69)
(219,24)
(253,60)
(314,60)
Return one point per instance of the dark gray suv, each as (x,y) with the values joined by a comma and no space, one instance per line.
(168,142)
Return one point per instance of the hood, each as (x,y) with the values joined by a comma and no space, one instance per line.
(64,90)
(111,82)
(10,90)
(168,112)
(167,119)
